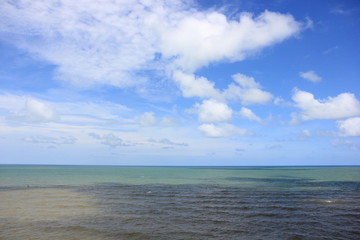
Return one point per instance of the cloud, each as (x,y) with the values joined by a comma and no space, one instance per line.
(246,81)
(222,130)
(90,42)
(107,42)
(247,91)
(306,133)
(330,50)
(110,140)
(311,76)
(28,109)
(25,109)
(192,86)
(37,111)
(347,143)
(340,11)
(204,37)
(273,146)
(147,119)
(50,140)
(342,106)
(214,111)
(349,127)
(248,114)
(244,89)
(166,141)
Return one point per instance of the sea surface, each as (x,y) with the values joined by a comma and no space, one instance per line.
(111,202)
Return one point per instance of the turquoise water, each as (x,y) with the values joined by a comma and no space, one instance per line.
(17,175)
(109,202)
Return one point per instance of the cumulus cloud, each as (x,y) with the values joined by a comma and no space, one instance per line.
(192,86)
(247,91)
(349,127)
(110,140)
(311,76)
(244,89)
(222,130)
(107,42)
(204,37)
(342,106)
(214,111)
(248,114)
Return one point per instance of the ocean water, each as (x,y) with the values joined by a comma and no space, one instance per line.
(107,202)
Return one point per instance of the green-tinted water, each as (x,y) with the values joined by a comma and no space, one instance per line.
(105,202)
(17,175)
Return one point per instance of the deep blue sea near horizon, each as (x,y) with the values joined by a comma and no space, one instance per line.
(114,202)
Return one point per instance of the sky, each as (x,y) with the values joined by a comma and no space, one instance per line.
(180,82)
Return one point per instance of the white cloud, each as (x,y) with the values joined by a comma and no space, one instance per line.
(342,106)
(245,89)
(166,141)
(247,113)
(347,143)
(306,133)
(147,119)
(37,111)
(192,86)
(50,140)
(201,38)
(111,42)
(246,81)
(27,109)
(101,41)
(110,140)
(349,127)
(340,11)
(214,111)
(247,92)
(222,130)
(311,76)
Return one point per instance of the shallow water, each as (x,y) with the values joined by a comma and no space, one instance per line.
(75,202)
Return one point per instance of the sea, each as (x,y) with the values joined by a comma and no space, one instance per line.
(118,202)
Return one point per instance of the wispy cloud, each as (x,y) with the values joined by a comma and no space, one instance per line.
(248,114)
(330,50)
(114,44)
(50,140)
(165,141)
(347,143)
(311,76)
(340,11)
(111,140)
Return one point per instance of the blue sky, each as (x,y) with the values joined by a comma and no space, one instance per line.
(142,82)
